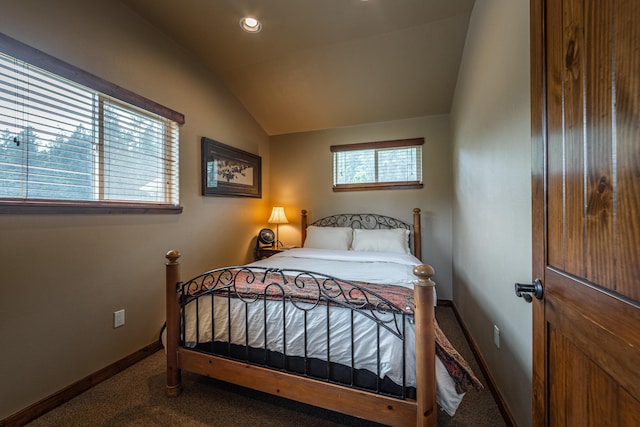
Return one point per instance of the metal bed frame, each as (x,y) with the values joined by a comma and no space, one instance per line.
(294,378)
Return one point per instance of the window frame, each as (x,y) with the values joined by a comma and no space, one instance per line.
(378,145)
(37,58)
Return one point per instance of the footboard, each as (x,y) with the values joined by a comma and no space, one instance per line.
(274,331)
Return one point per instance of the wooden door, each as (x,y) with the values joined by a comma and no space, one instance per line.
(585,58)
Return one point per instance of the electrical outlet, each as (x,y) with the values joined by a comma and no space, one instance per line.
(496,336)
(118,318)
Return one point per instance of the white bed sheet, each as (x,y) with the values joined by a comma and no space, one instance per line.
(374,267)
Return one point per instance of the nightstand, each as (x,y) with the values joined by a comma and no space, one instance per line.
(266,252)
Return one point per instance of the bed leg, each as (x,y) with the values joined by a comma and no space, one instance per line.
(174,377)
(427,408)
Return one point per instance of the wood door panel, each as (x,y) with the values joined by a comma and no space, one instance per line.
(590,229)
(568,407)
(585,59)
(629,409)
(573,137)
(627,95)
(604,329)
(604,402)
(600,178)
(555,150)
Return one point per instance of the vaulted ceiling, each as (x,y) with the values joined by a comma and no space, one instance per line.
(320,64)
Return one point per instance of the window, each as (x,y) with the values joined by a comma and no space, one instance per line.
(378,165)
(69,147)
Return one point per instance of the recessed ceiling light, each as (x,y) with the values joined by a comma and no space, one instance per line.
(250,25)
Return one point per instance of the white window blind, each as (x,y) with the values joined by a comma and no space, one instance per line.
(378,165)
(64,142)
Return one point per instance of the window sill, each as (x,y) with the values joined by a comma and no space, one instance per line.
(67,207)
(377,186)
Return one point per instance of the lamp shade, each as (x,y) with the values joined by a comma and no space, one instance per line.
(277,216)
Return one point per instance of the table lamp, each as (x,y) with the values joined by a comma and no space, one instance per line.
(277,217)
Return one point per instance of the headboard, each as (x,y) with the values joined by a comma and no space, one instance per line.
(370,222)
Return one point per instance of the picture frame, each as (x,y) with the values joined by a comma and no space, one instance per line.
(230,172)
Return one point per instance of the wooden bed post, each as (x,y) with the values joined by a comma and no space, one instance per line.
(417,234)
(427,413)
(174,377)
(303,227)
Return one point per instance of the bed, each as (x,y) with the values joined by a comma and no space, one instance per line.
(345,322)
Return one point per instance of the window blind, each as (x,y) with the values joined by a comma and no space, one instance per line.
(62,141)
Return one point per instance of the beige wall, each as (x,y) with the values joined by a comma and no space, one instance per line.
(301,178)
(490,123)
(63,276)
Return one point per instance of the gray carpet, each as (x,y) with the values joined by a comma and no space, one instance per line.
(136,397)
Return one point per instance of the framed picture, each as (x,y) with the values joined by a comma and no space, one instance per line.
(228,171)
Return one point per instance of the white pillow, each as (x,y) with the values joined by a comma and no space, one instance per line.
(381,240)
(329,237)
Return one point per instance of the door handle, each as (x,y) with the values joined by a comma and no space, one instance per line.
(525,290)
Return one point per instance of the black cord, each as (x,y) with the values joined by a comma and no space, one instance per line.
(164,326)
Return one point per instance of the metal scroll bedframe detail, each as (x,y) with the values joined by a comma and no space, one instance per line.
(370,221)
(254,360)
(297,290)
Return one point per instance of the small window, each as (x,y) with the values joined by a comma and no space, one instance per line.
(378,165)
(63,144)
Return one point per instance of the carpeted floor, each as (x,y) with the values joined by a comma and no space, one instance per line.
(136,397)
